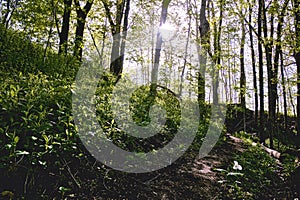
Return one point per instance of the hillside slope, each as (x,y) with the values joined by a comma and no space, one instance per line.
(42,156)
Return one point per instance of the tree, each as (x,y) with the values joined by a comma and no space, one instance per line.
(278,53)
(10,7)
(242,66)
(285,106)
(118,46)
(186,47)
(297,57)
(261,74)
(150,98)
(204,39)
(216,56)
(159,42)
(81,19)
(272,91)
(253,66)
(64,33)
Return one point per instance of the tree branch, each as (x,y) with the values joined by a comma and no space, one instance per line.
(108,15)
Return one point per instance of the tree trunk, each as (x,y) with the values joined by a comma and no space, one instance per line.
(272,79)
(81,19)
(124,35)
(186,49)
(119,35)
(297,58)
(10,9)
(278,51)
(204,34)
(217,54)
(284,91)
(261,75)
(64,34)
(253,68)
(243,76)
(150,98)
(154,74)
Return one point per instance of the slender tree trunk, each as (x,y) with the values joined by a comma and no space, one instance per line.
(119,35)
(243,76)
(94,42)
(261,74)
(11,6)
(204,34)
(272,79)
(159,41)
(186,49)
(103,44)
(290,93)
(150,98)
(217,54)
(4,20)
(297,58)
(253,68)
(64,34)
(284,91)
(81,19)
(124,35)
(278,51)
(48,41)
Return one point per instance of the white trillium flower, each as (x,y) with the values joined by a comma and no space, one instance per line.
(236,166)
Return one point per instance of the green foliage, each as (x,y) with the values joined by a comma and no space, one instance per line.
(35,114)
(38,135)
(139,110)
(36,129)
(247,137)
(37,132)
(18,52)
(258,173)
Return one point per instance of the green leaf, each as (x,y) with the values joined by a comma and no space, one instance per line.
(235,174)
(34,138)
(7,193)
(16,139)
(18,152)
(220,170)
(64,189)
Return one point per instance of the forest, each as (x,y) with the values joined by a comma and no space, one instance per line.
(156,99)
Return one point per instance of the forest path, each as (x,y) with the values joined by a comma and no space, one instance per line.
(187,178)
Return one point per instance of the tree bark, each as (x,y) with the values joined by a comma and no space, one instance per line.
(204,39)
(261,75)
(119,34)
(186,49)
(81,19)
(268,53)
(297,58)
(278,51)
(284,91)
(253,68)
(242,75)
(217,53)
(159,41)
(64,34)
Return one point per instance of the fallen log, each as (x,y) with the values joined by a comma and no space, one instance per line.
(271,152)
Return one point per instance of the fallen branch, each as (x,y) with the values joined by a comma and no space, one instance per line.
(271,152)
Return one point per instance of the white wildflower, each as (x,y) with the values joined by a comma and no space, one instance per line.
(236,166)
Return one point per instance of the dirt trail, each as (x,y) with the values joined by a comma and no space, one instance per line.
(187,178)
